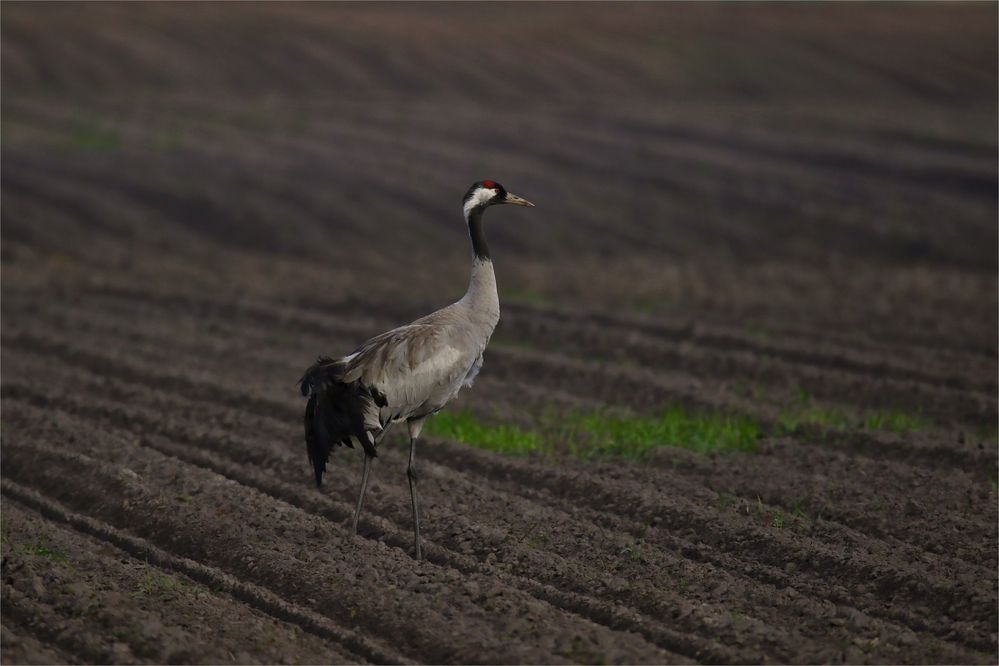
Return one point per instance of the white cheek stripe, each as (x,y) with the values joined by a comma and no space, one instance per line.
(481,196)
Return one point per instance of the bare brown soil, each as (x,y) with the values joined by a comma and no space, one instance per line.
(735,204)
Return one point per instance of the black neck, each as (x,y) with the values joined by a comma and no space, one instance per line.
(479,246)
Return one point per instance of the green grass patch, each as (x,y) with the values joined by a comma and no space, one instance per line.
(804,412)
(600,434)
(463,427)
(42,549)
(606,433)
(894,421)
(157,585)
(793,418)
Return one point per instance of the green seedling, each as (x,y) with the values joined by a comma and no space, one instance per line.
(725,501)
(608,435)
(603,434)
(156,585)
(463,427)
(804,412)
(41,549)
(894,421)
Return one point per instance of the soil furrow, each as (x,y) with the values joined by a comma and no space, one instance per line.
(284,417)
(851,391)
(646,339)
(400,588)
(647,598)
(969,405)
(346,499)
(20,646)
(703,349)
(196,386)
(915,357)
(690,346)
(716,478)
(398,534)
(640,388)
(650,390)
(874,583)
(20,611)
(253,595)
(281,415)
(105,606)
(912,505)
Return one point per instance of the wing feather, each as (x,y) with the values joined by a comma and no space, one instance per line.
(417,367)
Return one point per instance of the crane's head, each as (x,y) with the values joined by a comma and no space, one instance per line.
(488,192)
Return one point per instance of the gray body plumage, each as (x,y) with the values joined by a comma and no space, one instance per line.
(420,367)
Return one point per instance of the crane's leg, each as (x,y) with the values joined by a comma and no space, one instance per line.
(364,478)
(364,489)
(414,432)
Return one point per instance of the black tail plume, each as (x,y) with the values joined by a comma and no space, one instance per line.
(334,413)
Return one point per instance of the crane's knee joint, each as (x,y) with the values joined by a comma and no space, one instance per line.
(411,473)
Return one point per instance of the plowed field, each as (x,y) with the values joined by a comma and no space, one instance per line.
(781,213)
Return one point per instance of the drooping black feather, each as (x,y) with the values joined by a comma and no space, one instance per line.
(335,412)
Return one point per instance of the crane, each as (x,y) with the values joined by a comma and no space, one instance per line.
(408,373)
